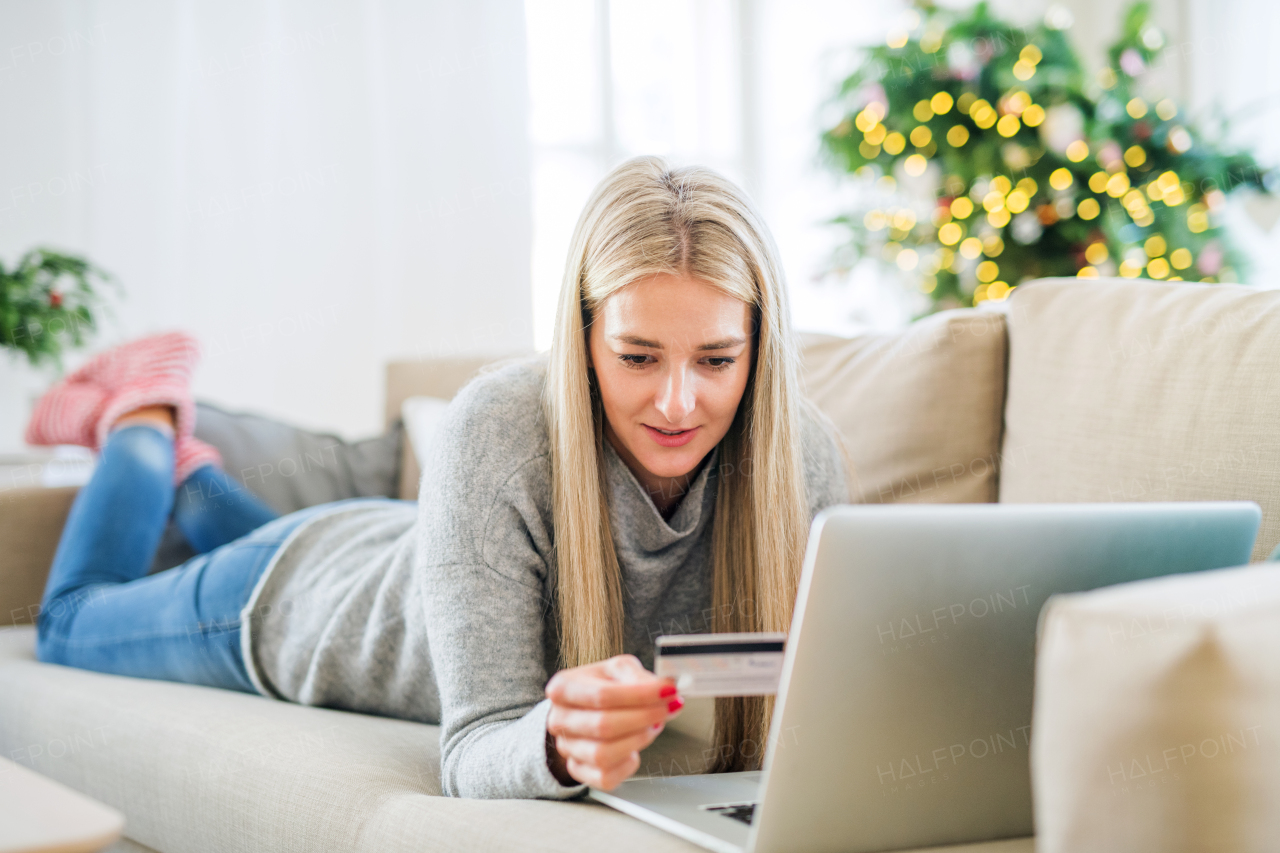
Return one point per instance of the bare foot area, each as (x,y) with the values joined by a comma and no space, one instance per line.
(162,416)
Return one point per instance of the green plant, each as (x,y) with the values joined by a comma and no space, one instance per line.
(48,304)
(996,159)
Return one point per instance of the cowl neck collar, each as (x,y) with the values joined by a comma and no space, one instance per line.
(635,518)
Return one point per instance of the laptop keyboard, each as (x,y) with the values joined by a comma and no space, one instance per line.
(738,811)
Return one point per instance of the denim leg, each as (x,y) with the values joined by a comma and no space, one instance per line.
(211,509)
(118,517)
(182,624)
(101,610)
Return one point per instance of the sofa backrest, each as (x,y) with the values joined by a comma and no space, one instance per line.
(918,409)
(1124,390)
(431,377)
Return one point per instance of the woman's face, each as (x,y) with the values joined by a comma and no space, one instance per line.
(671,356)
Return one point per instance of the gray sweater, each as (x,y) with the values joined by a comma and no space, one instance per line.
(440,613)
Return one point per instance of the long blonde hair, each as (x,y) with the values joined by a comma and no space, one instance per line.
(647,217)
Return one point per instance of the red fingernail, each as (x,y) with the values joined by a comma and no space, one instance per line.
(674,705)
(669,690)
(655,727)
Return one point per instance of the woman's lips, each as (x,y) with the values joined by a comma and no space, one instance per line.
(678,440)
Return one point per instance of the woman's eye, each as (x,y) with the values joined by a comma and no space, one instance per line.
(719,362)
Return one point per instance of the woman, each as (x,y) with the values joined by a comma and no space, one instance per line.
(657,474)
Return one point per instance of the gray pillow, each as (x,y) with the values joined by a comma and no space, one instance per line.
(292,468)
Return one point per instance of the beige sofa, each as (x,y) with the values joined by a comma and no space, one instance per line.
(1110,390)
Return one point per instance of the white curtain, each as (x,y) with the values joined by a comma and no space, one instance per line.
(313,188)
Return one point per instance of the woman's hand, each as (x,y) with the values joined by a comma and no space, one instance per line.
(602,715)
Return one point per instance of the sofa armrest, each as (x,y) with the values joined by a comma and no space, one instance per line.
(31,521)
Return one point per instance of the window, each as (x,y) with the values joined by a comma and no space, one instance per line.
(736,85)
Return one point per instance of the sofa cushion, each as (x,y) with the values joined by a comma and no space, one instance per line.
(1144,391)
(919,409)
(202,769)
(1154,716)
(198,769)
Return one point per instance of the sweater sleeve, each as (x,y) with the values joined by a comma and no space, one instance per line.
(485,531)
(486,633)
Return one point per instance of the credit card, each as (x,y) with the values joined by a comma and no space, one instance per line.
(721,664)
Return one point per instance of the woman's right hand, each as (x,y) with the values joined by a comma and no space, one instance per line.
(602,715)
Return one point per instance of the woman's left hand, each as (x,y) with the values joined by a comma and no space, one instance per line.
(602,715)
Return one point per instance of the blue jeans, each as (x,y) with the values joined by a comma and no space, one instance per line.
(102,611)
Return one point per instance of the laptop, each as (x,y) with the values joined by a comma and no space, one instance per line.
(903,718)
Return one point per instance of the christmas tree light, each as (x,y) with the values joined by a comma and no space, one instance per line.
(995,143)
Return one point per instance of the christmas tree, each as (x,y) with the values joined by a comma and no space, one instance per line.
(990,158)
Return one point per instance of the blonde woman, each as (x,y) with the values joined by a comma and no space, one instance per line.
(656,474)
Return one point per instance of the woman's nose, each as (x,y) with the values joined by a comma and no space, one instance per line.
(676,398)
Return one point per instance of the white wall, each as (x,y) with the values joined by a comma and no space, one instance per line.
(311,188)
